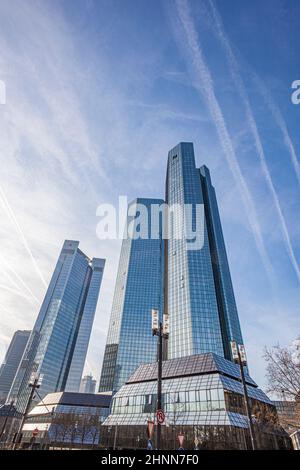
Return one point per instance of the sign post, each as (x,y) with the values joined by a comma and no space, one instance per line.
(160,416)
(161,330)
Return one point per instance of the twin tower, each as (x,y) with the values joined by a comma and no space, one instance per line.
(192,285)
(162,269)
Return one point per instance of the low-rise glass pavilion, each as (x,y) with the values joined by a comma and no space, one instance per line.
(202,398)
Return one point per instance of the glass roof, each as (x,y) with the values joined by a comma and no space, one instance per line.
(189,365)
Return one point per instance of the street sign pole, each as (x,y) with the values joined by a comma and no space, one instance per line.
(162,331)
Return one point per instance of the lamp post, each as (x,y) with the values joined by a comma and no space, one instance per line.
(34,383)
(161,330)
(239,356)
(108,437)
(73,434)
(3,431)
(115,436)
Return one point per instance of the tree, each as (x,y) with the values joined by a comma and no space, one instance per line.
(96,423)
(283,370)
(283,375)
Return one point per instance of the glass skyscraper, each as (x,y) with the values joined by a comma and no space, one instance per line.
(57,346)
(11,362)
(139,288)
(201,304)
(190,283)
(88,384)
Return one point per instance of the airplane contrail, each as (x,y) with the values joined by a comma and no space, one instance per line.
(205,86)
(14,291)
(276,113)
(19,279)
(5,309)
(12,217)
(234,70)
(10,279)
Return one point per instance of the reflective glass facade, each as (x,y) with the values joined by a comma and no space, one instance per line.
(12,361)
(230,325)
(88,384)
(67,418)
(84,332)
(198,386)
(58,344)
(139,288)
(190,365)
(201,304)
(201,395)
(195,283)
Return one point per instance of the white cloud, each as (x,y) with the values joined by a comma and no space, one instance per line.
(205,85)
(252,127)
(77,131)
(69,140)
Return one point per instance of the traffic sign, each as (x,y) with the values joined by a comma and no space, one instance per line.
(160,415)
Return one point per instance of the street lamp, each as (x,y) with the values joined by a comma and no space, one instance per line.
(34,383)
(8,415)
(109,428)
(115,436)
(73,437)
(239,357)
(161,330)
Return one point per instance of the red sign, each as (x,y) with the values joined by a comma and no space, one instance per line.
(35,432)
(180,439)
(160,415)
(150,427)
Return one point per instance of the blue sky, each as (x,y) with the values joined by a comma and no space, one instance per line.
(97,92)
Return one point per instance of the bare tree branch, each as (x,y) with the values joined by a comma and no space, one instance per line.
(283,372)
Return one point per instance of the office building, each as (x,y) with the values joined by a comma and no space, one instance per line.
(88,384)
(187,279)
(10,420)
(12,361)
(289,414)
(202,392)
(139,288)
(57,347)
(202,397)
(66,420)
(201,304)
